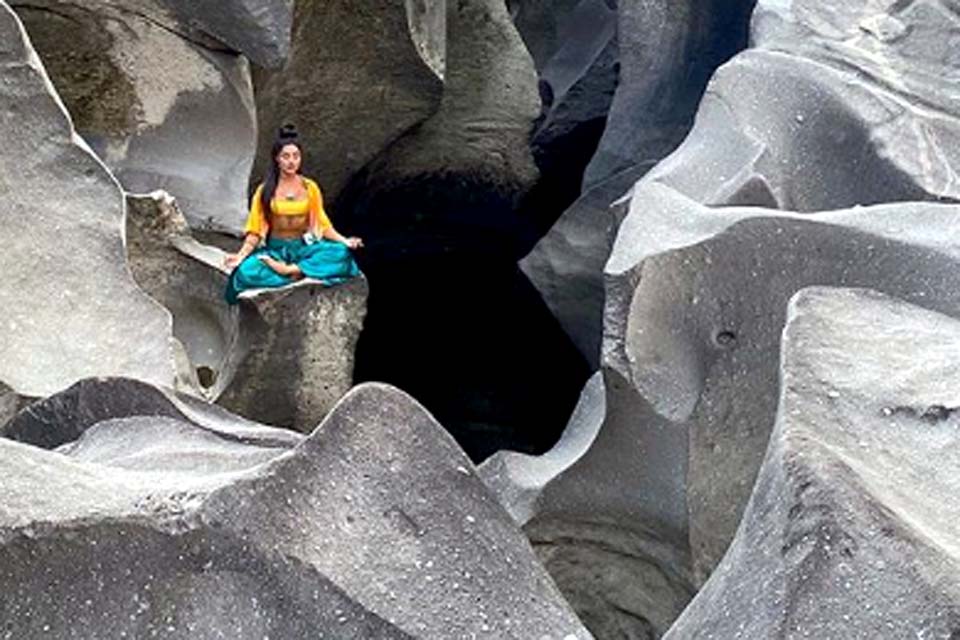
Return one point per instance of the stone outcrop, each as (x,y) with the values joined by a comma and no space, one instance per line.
(70,308)
(283,356)
(163,110)
(659,57)
(566,266)
(296,352)
(374,526)
(696,298)
(668,51)
(479,135)
(360,75)
(850,531)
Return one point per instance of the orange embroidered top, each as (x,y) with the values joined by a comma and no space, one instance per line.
(259,224)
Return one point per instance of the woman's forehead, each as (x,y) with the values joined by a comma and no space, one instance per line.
(290,148)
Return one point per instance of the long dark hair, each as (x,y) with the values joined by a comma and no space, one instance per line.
(287,134)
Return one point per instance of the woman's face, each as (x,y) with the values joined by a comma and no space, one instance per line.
(289,159)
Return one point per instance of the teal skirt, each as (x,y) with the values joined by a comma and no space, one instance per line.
(325,260)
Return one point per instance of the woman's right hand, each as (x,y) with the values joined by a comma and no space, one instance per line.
(232,260)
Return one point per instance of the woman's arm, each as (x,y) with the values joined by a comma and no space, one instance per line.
(250,243)
(332,234)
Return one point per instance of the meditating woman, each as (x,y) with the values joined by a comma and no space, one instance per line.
(289,236)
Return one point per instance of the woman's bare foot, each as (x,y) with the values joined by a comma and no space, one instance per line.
(291,271)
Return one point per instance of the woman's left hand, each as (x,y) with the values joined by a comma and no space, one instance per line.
(354,243)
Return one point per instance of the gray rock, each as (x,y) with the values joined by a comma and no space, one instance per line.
(668,51)
(831,109)
(283,356)
(295,354)
(356,81)
(519,480)
(851,528)
(189,279)
(696,298)
(259,29)
(566,265)
(541,24)
(64,417)
(71,309)
(577,82)
(480,133)
(162,110)
(374,526)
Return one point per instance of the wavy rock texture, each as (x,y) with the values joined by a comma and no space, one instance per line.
(162,110)
(374,526)
(695,309)
(850,531)
(660,55)
(71,309)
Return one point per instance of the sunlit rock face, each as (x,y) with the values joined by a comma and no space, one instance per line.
(360,75)
(162,109)
(187,521)
(70,307)
(850,530)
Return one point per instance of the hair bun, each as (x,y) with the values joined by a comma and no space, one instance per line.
(287,132)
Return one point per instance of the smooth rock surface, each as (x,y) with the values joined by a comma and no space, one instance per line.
(64,417)
(833,107)
(668,51)
(70,308)
(360,75)
(188,278)
(374,526)
(696,298)
(566,265)
(480,133)
(162,109)
(851,528)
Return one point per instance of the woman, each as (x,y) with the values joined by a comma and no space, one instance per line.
(288,234)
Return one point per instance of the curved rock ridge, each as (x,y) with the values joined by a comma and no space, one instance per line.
(359,76)
(375,525)
(834,107)
(161,109)
(850,530)
(696,300)
(71,309)
(64,417)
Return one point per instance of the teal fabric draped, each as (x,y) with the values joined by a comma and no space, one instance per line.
(325,260)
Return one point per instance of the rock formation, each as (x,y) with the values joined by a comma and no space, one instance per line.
(479,134)
(850,531)
(667,52)
(360,75)
(162,109)
(283,356)
(374,526)
(70,308)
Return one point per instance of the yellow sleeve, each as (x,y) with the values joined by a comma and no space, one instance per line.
(319,216)
(256,221)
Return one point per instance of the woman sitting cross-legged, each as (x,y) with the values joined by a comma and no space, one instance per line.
(289,236)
